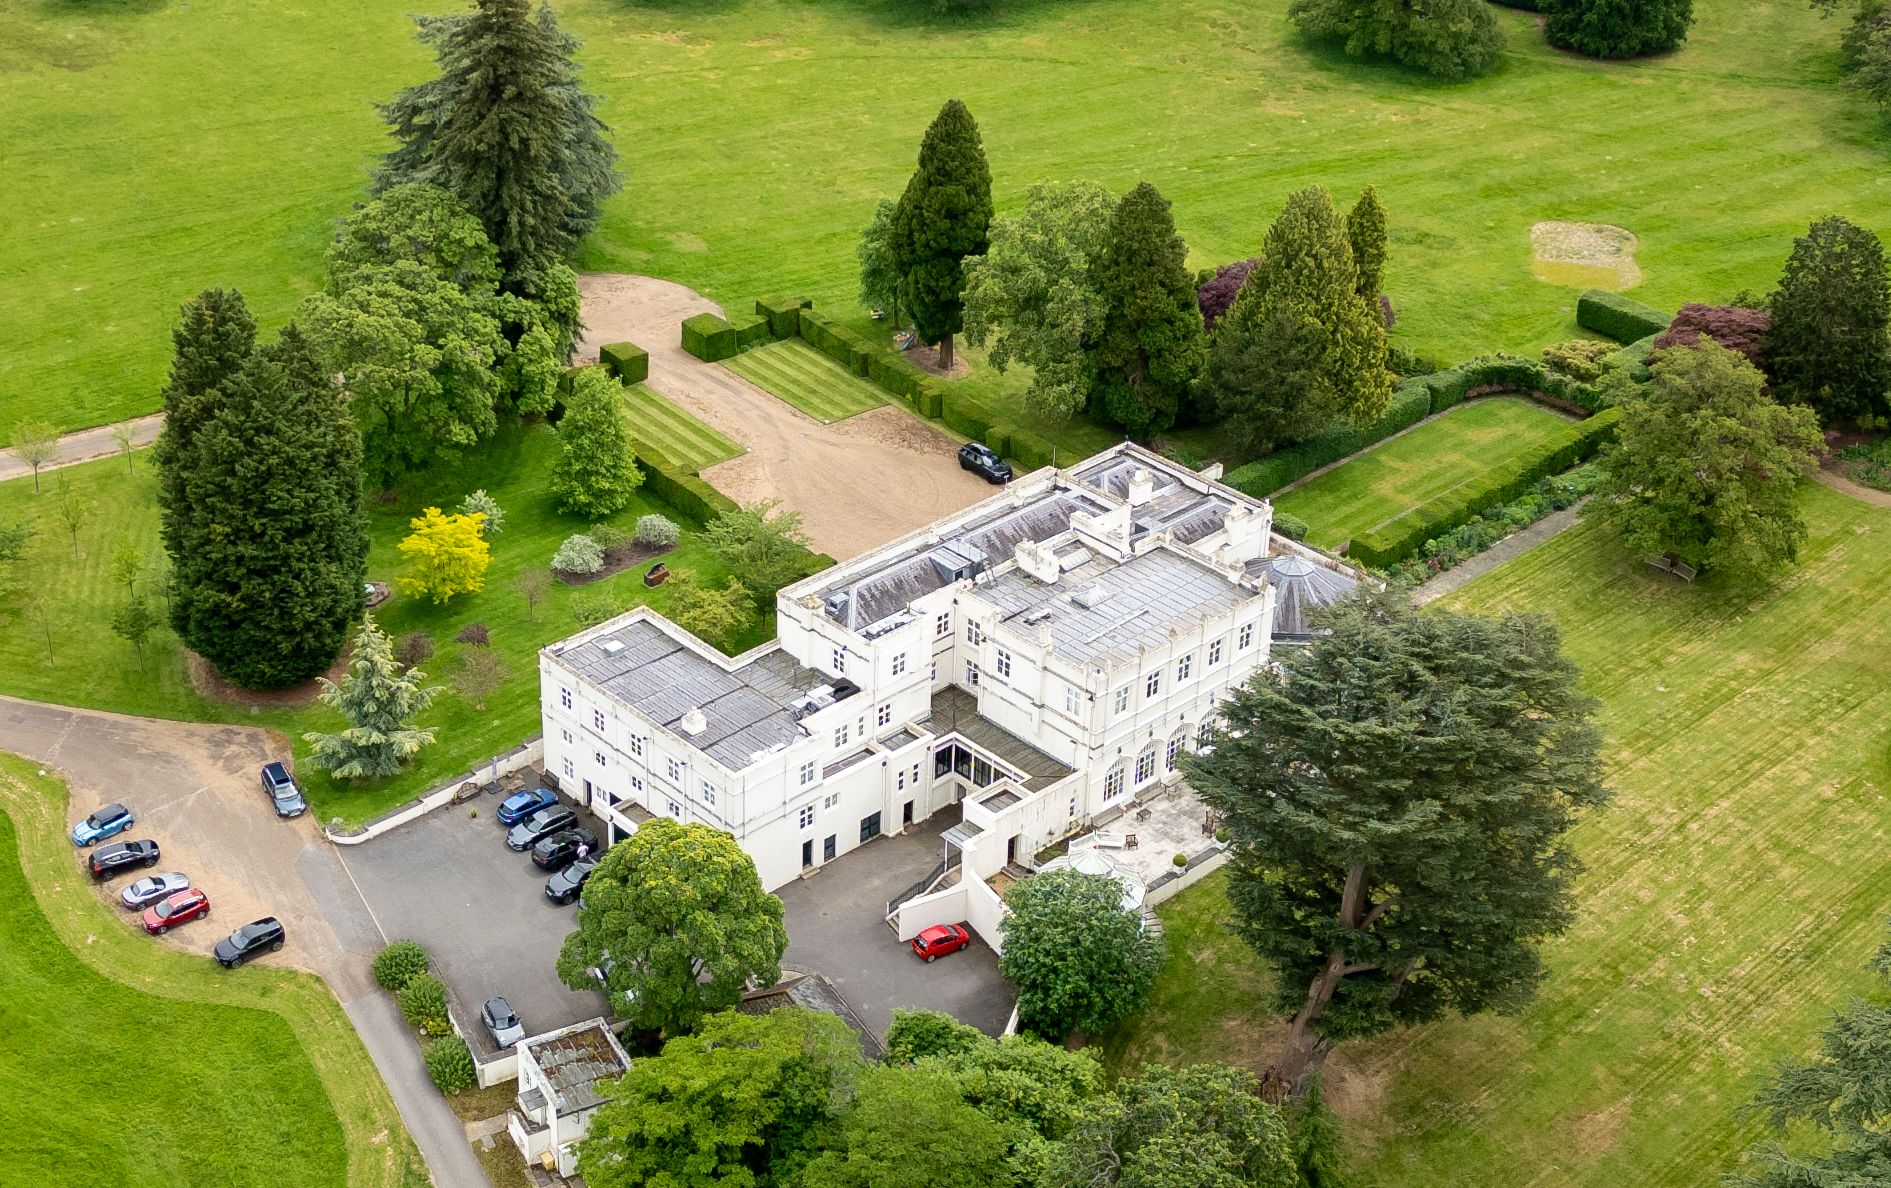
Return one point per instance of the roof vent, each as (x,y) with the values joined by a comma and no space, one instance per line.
(611,647)
(1090,597)
(694,721)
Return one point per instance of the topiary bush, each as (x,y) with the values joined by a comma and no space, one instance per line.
(579,554)
(450,1064)
(475,634)
(627,361)
(400,963)
(480,503)
(1622,318)
(708,337)
(1290,526)
(414,648)
(423,1001)
(656,531)
(783,314)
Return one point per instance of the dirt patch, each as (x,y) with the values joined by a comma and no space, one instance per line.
(926,358)
(210,683)
(616,560)
(1588,255)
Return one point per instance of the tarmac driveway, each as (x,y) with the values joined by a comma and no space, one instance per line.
(448,881)
(837,927)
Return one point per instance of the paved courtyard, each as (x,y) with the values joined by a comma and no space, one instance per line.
(837,926)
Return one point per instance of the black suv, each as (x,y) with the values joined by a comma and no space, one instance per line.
(981,460)
(107,861)
(551,853)
(258,936)
(543,823)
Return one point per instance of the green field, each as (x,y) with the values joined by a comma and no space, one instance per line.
(92,667)
(1374,488)
(1735,886)
(155,149)
(674,433)
(807,379)
(142,1065)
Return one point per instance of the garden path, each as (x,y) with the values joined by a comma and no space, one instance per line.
(857,483)
(1859,491)
(1514,545)
(85,445)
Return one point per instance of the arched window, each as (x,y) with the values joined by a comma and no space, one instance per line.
(1146,766)
(1113,783)
(1177,741)
(1205,736)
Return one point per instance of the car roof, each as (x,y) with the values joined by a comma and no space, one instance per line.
(109,811)
(275,769)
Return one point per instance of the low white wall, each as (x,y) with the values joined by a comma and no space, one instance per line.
(985,912)
(1188,878)
(946,906)
(518,759)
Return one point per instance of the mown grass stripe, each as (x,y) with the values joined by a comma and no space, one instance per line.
(676,433)
(807,379)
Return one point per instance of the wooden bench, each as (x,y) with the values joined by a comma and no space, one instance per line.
(1669,563)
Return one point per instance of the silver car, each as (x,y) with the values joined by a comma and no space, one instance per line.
(151,888)
(502,1022)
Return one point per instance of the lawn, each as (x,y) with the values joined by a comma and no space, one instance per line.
(673,432)
(1390,480)
(807,379)
(156,149)
(1735,886)
(147,1066)
(91,667)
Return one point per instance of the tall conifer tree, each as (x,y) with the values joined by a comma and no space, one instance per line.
(1829,342)
(1150,350)
(943,217)
(214,336)
(1365,232)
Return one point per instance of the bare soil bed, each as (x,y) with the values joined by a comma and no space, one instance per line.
(616,560)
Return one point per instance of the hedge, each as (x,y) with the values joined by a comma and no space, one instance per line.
(708,337)
(835,341)
(1622,318)
(1411,403)
(750,329)
(1392,544)
(1633,358)
(627,361)
(679,488)
(962,417)
(783,314)
(1029,450)
(1488,375)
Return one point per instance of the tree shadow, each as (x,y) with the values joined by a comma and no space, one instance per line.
(931,16)
(104,8)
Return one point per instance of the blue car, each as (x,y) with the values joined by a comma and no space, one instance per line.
(520,805)
(109,821)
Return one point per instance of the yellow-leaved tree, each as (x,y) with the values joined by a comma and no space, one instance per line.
(449,555)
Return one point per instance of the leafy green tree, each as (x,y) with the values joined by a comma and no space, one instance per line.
(943,217)
(1080,959)
(1618,28)
(1033,1089)
(1454,39)
(133,623)
(35,444)
(1197,1127)
(909,1128)
(1033,294)
(880,273)
(269,566)
(681,912)
(741,1103)
(1829,342)
(717,616)
(1150,347)
(596,474)
(914,1035)
(1301,348)
(507,129)
(380,700)
(1706,465)
(448,555)
(1398,794)
(1365,234)
(1839,1093)
(414,224)
(762,543)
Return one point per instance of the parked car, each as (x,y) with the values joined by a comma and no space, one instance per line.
(552,853)
(108,822)
(151,888)
(283,791)
(543,823)
(935,942)
(119,857)
(256,937)
(565,886)
(520,805)
(180,908)
(984,462)
(502,1022)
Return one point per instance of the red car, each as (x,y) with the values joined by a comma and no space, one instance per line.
(935,942)
(181,908)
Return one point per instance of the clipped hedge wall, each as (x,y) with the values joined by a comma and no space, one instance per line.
(1411,403)
(962,417)
(708,337)
(783,314)
(1622,318)
(1489,375)
(750,330)
(627,361)
(1633,359)
(1030,451)
(998,437)
(835,341)
(1392,544)
(677,487)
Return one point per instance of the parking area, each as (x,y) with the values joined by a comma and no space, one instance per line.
(448,881)
(837,927)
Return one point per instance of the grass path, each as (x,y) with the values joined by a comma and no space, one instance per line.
(807,379)
(1735,885)
(674,433)
(148,1066)
(1390,480)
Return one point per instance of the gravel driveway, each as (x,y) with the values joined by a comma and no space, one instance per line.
(857,483)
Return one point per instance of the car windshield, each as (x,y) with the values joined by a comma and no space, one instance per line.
(249,933)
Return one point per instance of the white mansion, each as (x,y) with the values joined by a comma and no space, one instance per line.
(1037,660)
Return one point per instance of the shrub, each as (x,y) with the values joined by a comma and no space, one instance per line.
(592,608)
(657,531)
(1449,38)
(475,635)
(1734,327)
(1493,524)
(1622,318)
(400,962)
(1614,29)
(998,437)
(1579,359)
(959,415)
(1633,359)
(423,1001)
(609,536)
(1405,364)
(480,503)
(708,337)
(627,361)
(415,648)
(1221,834)
(1029,450)
(1290,526)
(579,554)
(679,488)
(450,1064)
(750,329)
(1180,860)
(783,314)
(1215,296)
